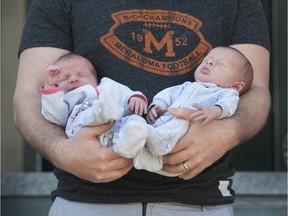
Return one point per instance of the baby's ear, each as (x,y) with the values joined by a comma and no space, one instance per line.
(238,86)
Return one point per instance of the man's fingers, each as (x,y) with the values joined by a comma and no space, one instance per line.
(183,113)
(191,173)
(114,174)
(99,129)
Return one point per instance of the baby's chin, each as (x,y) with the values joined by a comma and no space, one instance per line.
(200,77)
(201,80)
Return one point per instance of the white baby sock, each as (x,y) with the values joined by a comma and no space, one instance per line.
(145,160)
(109,102)
(132,137)
(161,140)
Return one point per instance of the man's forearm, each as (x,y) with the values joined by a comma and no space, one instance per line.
(251,114)
(253,107)
(41,134)
(37,131)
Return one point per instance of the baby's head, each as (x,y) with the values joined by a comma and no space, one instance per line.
(226,67)
(76,71)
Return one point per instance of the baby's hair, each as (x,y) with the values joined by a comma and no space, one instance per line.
(247,70)
(69,56)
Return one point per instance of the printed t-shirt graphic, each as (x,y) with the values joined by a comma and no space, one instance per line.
(155,36)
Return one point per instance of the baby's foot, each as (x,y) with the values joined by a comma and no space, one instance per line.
(109,101)
(132,137)
(146,161)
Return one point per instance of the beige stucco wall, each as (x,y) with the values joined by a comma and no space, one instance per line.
(12,21)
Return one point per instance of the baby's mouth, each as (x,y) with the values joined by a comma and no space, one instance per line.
(72,88)
(205,70)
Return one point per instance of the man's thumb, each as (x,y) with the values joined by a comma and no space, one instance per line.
(183,113)
(99,129)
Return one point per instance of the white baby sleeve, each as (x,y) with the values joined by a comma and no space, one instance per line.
(54,109)
(228,102)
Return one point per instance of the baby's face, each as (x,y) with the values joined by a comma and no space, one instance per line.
(221,66)
(75,72)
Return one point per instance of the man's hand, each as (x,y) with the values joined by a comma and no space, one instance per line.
(83,156)
(154,113)
(199,147)
(137,105)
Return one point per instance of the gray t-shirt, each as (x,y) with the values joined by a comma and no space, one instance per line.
(148,46)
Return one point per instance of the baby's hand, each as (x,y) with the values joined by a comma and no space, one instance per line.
(52,76)
(206,113)
(137,105)
(154,113)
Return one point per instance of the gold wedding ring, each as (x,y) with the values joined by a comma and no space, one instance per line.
(185,166)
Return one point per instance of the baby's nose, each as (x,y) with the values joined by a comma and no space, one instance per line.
(210,62)
(74,81)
